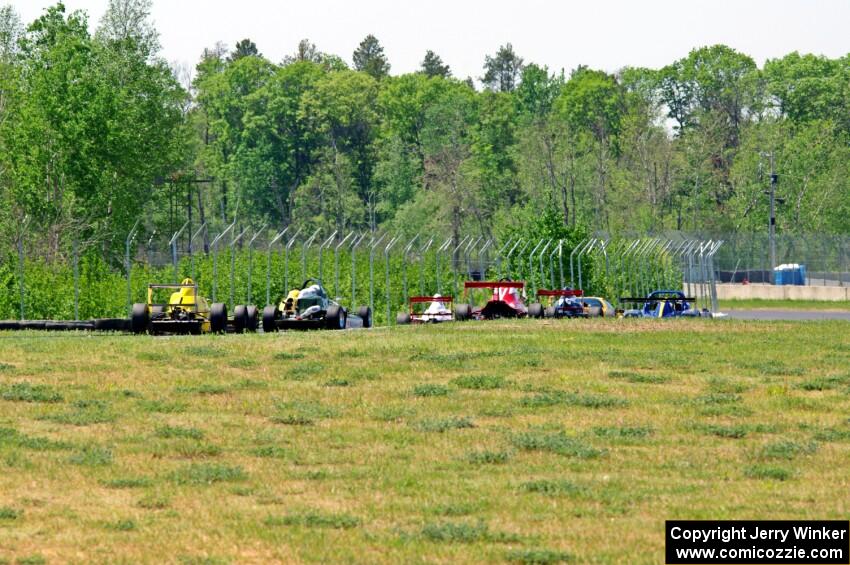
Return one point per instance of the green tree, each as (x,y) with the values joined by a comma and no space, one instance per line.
(245,48)
(433,66)
(369,58)
(502,71)
(129,20)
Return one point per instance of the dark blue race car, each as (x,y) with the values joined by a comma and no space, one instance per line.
(664,304)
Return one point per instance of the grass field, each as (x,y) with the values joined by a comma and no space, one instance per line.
(764,304)
(528,442)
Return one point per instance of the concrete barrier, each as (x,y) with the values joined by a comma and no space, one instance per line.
(772,292)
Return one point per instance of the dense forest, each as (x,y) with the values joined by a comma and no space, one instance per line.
(97,130)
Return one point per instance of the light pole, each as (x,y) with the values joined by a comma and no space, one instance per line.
(774,178)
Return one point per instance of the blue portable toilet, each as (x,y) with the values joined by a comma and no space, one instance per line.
(790,274)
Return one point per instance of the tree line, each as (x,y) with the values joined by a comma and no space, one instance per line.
(97,130)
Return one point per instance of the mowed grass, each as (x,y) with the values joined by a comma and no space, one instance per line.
(512,441)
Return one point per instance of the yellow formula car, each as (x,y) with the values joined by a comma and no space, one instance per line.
(186,312)
(597,307)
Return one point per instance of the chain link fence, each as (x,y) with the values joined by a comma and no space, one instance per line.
(746,258)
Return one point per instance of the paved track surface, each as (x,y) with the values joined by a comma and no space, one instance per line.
(789,315)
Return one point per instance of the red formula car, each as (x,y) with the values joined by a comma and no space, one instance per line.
(506,301)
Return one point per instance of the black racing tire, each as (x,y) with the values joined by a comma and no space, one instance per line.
(463,312)
(111,324)
(335,318)
(218,318)
(140,318)
(240,319)
(365,314)
(535,310)
(270,316)
(253,318)
(403,319)
(549,312)
(10,325)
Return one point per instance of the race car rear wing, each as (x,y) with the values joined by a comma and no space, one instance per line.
(564,292)
(493,284)
(428,299)
(657,299)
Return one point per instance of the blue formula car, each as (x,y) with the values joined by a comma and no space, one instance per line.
(663,304)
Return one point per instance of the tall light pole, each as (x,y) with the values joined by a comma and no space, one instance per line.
(772,221)
(773,179)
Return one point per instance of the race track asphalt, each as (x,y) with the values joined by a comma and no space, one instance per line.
(789,315)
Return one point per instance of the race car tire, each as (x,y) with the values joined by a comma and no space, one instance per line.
(365,314)
(335,318)
(240,318)
(10,325)
(463,312)
(270,315)
(549,312)
(253,318)
(140,318)
(157,309)
(218,318)
(111,324)
(402,319)
(535,310)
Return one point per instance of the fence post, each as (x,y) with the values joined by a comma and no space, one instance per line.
(172,243)
(438,254)
(482,266)
(307,243)
(191,249)
(510,254)
(374,245)
(387,264)
(233,268)
(286,260)
(576,247)
(274,240)
(561,262)
(531,263)
(214,245)
(453,259)
(422,254)
(404,253)
(128,266)
(467,251)
(251,263)
(336,264)
(500,257)
(355,243)
(540,261)
(584,250)
(322,248)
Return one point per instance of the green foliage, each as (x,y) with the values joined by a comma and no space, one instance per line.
(26,392)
